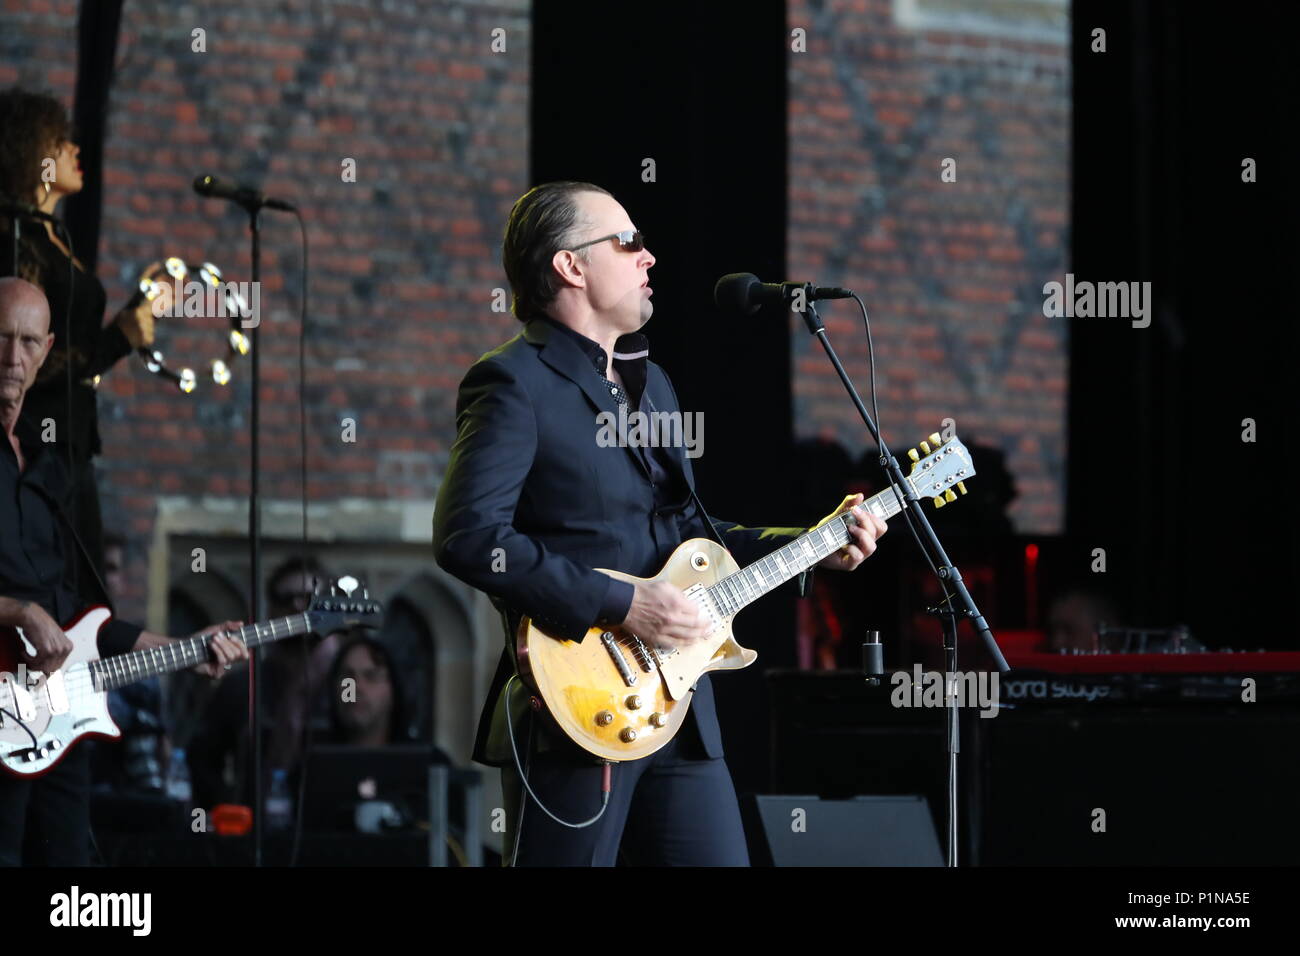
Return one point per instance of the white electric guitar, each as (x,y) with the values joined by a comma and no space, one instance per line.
(42,715)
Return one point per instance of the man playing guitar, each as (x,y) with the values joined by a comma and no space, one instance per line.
(532,502)
(46,820)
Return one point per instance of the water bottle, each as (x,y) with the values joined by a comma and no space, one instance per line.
(178,778)
(279,808)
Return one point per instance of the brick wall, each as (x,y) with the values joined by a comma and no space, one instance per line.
(951,272)
(403,260)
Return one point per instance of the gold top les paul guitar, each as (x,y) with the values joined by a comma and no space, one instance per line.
(622,699)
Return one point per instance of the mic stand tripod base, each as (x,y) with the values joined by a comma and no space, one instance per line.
(952,723)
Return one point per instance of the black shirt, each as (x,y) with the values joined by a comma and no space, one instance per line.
(95,347)
(35,550)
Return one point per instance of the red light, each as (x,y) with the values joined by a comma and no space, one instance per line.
(1031,585)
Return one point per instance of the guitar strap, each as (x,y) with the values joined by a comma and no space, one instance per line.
(713,532)
(805,577)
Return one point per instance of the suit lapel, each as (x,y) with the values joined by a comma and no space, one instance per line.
(564,356)
(661,401)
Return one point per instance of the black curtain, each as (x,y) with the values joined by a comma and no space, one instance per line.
(702,92)
(1199,527)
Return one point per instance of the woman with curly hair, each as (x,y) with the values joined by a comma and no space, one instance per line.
(39,165)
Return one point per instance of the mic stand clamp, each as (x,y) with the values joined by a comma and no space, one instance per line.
(952,733)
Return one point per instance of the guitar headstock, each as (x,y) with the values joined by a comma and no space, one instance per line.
(343,607)
(938,467)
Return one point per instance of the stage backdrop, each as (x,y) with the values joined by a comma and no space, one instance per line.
(929,171)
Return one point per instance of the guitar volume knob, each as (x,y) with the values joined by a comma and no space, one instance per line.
(627,735)
(658,720)
(604,718)
(634,702)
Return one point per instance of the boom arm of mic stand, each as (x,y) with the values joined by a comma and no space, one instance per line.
(949,576)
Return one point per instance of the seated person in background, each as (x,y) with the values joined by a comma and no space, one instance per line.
(1074,617)
(293,677)
(366,703)
(138,760)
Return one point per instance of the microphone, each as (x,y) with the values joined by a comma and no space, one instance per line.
(26,210)
(211,187)
(742,292)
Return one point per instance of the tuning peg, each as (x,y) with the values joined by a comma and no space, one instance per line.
(911,453)
(949,496)
(365,594)
(925,447)
(935,439)
(938,502)
(334,592)
(961,487)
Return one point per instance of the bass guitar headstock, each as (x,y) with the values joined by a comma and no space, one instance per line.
(343,607)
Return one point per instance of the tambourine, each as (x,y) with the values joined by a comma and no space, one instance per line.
(232,304)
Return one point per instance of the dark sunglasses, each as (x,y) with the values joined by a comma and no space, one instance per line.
(629,240)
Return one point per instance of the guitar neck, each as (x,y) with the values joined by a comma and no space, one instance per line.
(742,587)
(112,672)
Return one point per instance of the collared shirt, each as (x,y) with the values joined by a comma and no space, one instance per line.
(671,496)
(35,550)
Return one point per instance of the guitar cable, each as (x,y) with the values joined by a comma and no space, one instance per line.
(36,744)
(883,449)
(605,781)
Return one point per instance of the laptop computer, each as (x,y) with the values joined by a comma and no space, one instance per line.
(341,778)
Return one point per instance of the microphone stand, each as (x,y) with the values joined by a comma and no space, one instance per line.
(255,533)
(949,576)
(252,202)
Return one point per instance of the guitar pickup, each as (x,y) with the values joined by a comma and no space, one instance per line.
(56,693)
(700,595)
(642,654)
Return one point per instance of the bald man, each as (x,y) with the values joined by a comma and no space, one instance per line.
(46,821)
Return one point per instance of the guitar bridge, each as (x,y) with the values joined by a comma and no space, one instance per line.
(611,645)
(16,698)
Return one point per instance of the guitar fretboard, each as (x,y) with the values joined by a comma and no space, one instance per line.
(112,672)
(742,587)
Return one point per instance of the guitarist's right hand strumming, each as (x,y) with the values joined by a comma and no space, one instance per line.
(44,634)
(663,616)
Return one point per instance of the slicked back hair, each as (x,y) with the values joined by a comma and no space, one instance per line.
(544,220)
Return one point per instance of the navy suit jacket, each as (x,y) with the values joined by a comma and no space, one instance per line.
(531,503)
